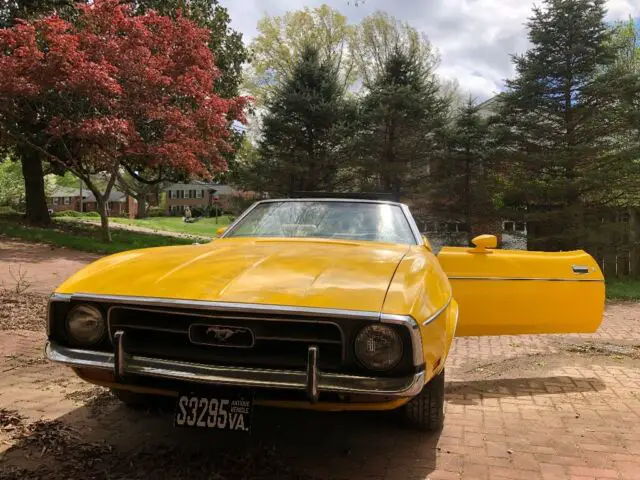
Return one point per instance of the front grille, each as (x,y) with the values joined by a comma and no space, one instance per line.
(276,343)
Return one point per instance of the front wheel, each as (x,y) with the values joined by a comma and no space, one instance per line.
(425,411)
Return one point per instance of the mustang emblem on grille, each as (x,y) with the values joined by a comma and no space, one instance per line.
(222,334)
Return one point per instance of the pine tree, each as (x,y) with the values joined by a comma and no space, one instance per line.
(566,148)
(300,149)
(460,184)
(400,124)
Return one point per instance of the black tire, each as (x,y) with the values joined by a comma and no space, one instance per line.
(426,410)
(136,400)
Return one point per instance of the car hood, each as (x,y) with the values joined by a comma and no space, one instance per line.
(294,272)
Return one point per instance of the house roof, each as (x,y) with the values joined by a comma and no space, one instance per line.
(489,107)
(114,196)
(67,192)
(87,195)
(218,188)
(489,102)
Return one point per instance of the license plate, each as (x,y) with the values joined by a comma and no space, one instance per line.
(226,410)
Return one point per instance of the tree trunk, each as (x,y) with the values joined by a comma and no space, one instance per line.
(105,234)
(37,211)
(142,206)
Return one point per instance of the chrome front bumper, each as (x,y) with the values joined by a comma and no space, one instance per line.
(311,381)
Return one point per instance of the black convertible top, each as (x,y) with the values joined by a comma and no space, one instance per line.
(389,197)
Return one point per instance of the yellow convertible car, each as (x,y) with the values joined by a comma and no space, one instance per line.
(327,304)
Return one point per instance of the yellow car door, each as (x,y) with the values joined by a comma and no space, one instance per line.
(510,292)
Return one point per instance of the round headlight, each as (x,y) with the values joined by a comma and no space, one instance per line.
(378,347)
(85,325)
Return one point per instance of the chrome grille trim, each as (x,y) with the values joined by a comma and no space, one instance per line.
(336,335)
(242,377)
(312,312)
(218,306)
(217,317)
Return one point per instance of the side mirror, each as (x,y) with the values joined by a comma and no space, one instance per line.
(427,243)
(220,231)
(484,242)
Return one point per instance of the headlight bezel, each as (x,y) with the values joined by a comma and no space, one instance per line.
(73,338)
(380,328)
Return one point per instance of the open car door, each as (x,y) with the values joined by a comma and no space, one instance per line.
(510,292)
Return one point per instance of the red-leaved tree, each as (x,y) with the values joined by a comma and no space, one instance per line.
(113,91)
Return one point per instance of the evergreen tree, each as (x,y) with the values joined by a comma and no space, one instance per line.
(400,125)
(460,184)
(565,145)
(302,133)
(627,71)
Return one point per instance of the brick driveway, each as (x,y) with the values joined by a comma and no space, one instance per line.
(528,407)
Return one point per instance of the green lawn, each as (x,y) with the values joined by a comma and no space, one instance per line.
(623,289)
(84,237)
(205,227)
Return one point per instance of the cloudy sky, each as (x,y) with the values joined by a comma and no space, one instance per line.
(474,37)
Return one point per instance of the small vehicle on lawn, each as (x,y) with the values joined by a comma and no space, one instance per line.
(326,304)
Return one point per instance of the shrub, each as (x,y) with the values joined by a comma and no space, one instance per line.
(73,213)
(7,210)
(67,213)
(238,202)
(155,212)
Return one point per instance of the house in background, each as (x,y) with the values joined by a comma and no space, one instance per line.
(196,195)
(489,107)
(65,198)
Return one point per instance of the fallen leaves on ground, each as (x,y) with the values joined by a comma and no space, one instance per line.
(12,423)
(22,311)
(60,452)
(96,399)
(53,440)
(609,349)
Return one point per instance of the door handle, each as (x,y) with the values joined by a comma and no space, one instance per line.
(580,269)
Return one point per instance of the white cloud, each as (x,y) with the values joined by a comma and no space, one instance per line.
(621,9)
(474,37)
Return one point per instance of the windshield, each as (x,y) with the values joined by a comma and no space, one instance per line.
(375,222)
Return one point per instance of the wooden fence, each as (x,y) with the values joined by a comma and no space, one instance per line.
(618,264)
